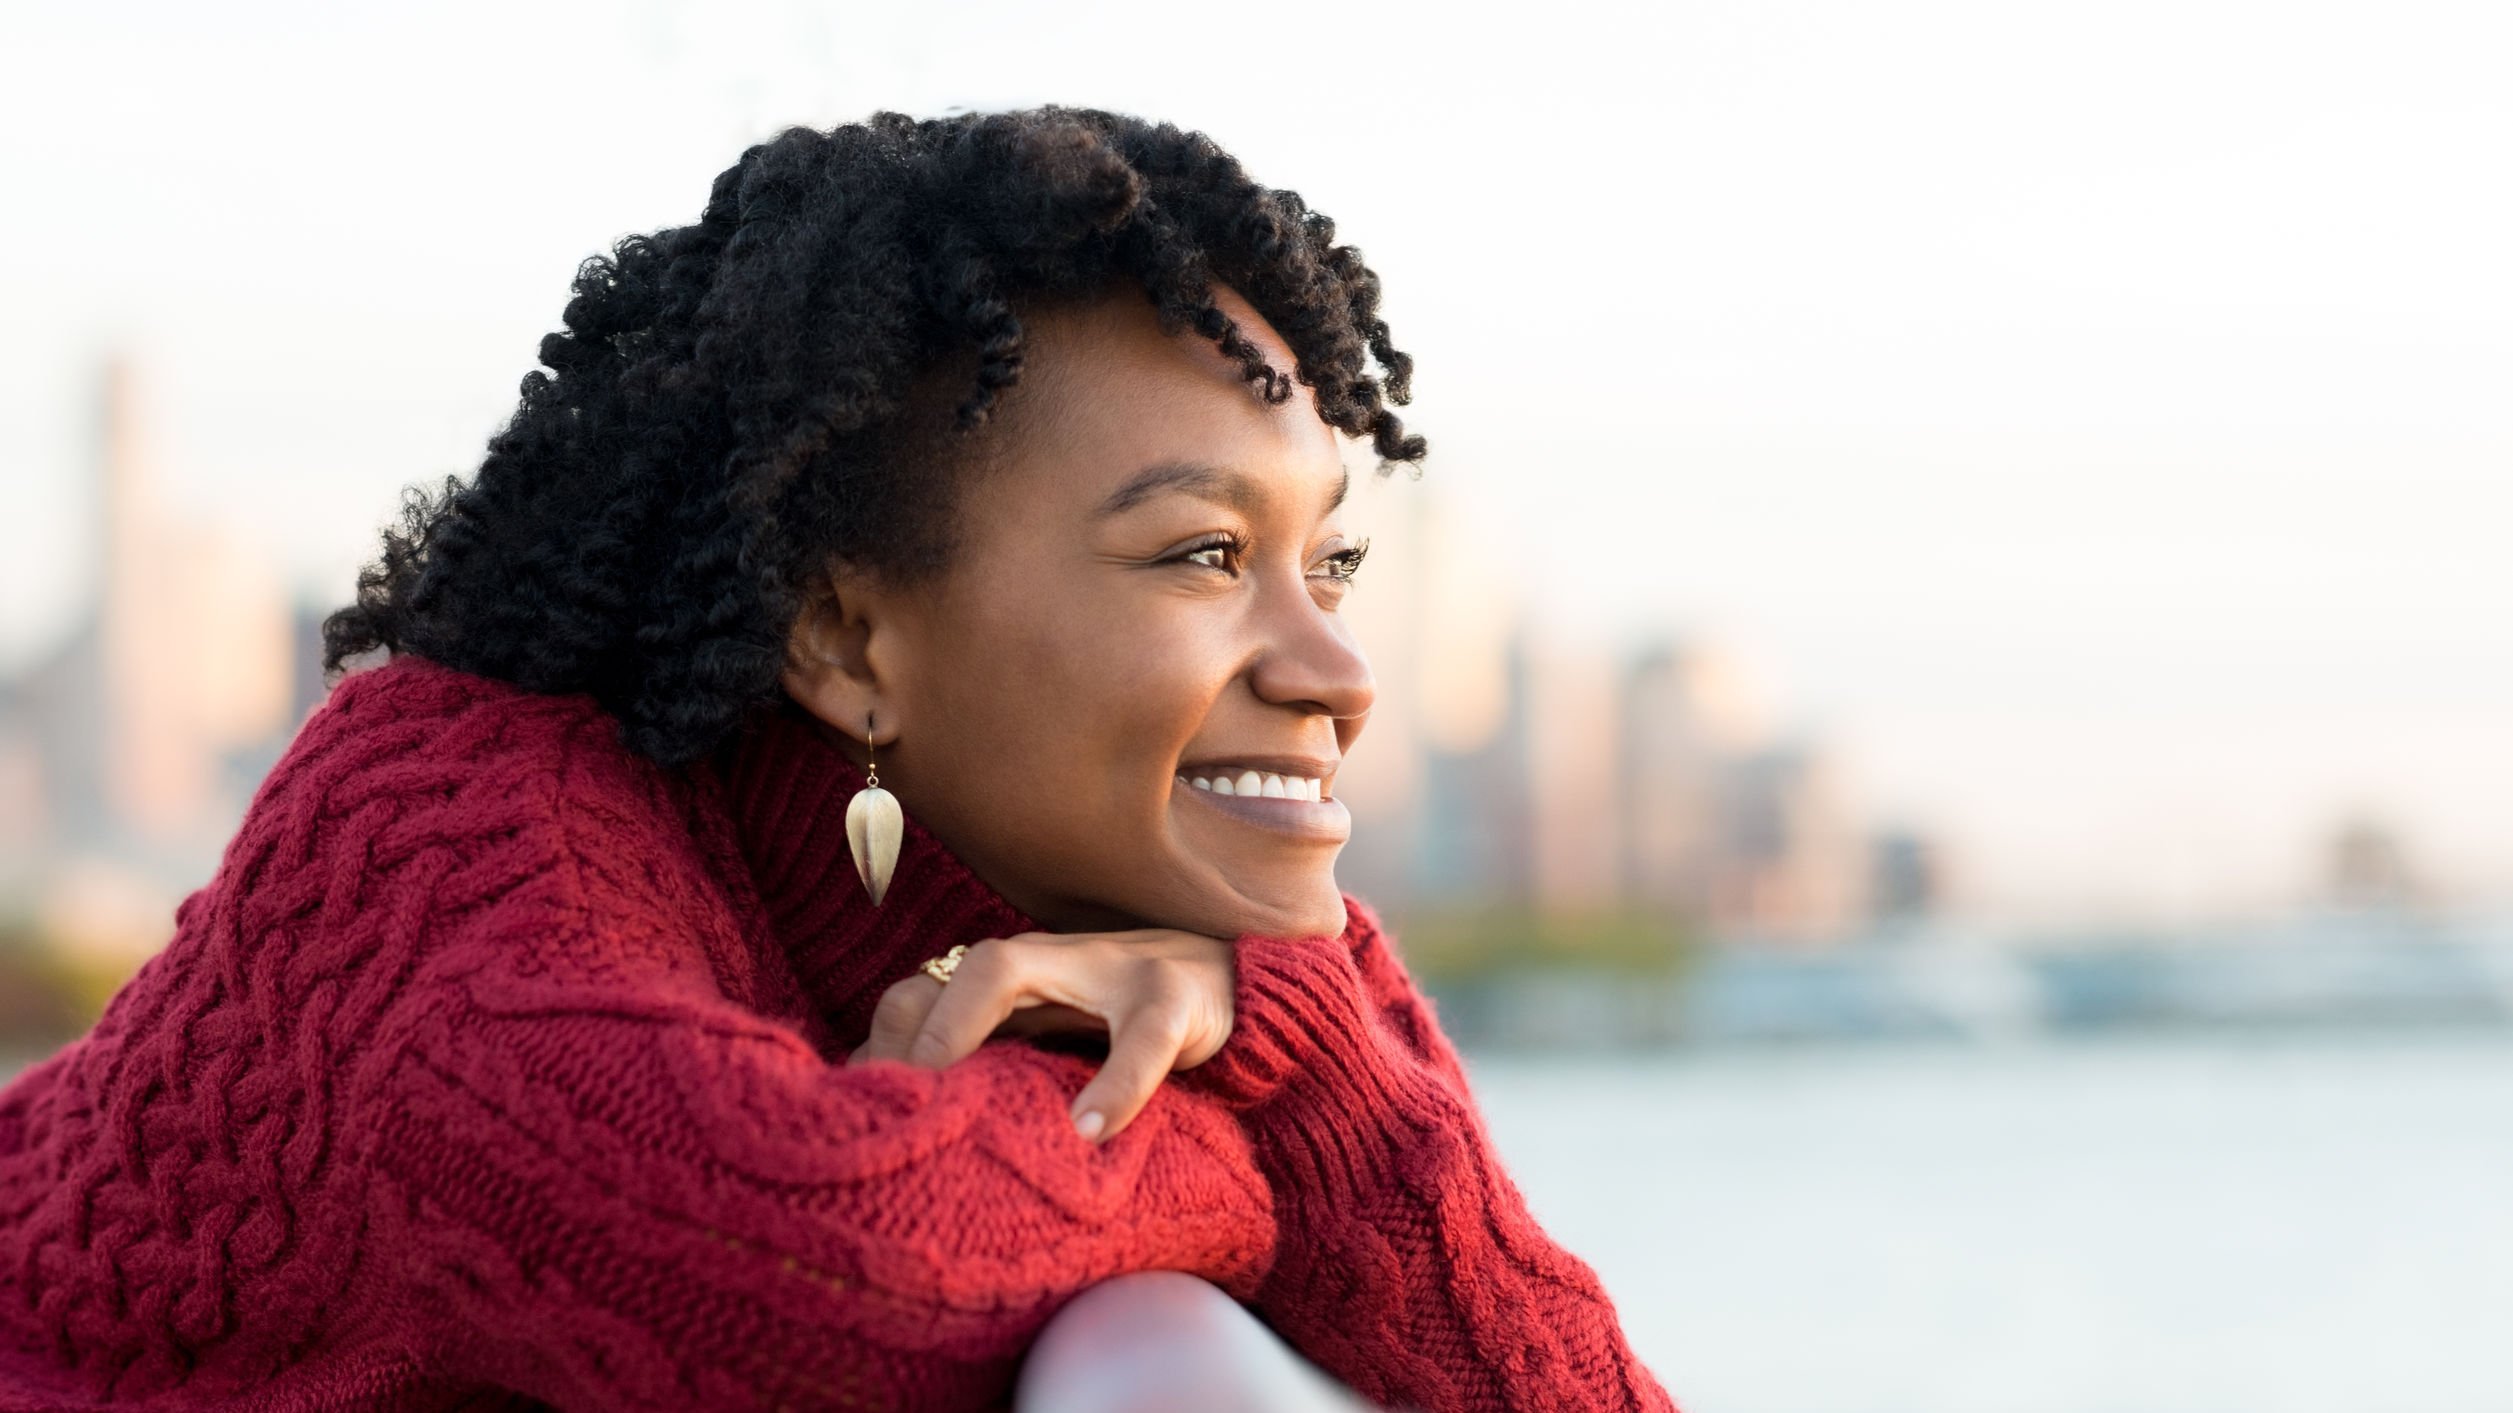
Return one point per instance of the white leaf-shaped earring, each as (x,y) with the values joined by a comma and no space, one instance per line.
(873,826)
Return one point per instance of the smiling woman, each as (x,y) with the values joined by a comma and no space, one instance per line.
(536,1043)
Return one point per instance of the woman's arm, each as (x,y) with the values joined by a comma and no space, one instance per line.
(654,1198)
(1410,1266)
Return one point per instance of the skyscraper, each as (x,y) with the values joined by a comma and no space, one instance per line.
(137,730)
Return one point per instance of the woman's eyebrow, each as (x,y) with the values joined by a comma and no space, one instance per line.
(1235,489)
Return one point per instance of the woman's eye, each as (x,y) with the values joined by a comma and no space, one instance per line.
(1343,564)
(1220,550)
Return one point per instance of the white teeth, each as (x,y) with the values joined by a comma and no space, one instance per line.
(1263,784)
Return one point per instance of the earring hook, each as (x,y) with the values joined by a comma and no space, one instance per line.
(874,826)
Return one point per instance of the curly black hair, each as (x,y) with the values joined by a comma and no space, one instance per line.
(734,403)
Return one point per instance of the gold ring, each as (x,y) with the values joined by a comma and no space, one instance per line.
(940,968)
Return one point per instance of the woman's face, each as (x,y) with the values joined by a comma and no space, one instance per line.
(1144,593)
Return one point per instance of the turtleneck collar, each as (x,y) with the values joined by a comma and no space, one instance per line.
(787,784)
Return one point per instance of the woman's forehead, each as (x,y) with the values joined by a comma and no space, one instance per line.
(1104,395)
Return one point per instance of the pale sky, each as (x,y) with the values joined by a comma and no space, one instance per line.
(2096,421)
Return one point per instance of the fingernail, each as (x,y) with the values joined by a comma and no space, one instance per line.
(1090,1123)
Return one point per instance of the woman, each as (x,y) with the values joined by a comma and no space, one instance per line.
(547,1028)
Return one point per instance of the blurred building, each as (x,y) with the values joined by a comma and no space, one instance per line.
(1722,825)
(2367,866)
(1575,773)
(128,753)
(1510,767)
(1908,880)
(1791,863)
(1687,714)
(1475,842)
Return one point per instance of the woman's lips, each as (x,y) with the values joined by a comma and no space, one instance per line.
(1318,821)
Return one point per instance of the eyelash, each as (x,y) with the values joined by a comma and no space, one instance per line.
(1350,559)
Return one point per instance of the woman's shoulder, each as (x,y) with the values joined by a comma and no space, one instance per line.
(471,828)
(415,758)
(417,730)
(417,708)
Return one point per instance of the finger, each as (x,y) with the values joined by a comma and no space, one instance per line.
(1036,1018)
(989,984)
(897,1017)
(1141,1049)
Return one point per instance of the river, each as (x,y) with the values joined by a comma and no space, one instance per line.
(2217,1224)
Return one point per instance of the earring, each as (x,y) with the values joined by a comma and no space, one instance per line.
(873,826)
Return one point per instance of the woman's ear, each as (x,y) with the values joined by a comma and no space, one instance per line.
(831,665)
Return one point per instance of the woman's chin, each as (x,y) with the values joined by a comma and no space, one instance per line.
(1313,912)
(1202,895)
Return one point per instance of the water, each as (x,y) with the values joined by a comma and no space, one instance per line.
(2269,1225)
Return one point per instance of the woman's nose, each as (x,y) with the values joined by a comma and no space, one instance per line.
(1307,658)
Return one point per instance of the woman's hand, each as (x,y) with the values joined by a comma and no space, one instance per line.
(1162,996)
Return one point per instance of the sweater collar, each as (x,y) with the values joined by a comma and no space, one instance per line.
(787,784)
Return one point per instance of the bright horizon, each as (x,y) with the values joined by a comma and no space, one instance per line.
(2094,427)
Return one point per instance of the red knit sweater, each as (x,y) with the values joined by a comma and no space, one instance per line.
(495,1057)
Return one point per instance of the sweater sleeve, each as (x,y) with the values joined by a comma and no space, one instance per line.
(1409,1264)
(666,1201)
(1401,1006)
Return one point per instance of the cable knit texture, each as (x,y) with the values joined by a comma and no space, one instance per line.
(498,1067)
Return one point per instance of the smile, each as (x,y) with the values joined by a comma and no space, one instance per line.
(1263,784)
(1319,819)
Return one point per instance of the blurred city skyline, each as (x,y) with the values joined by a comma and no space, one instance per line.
(2104,463)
